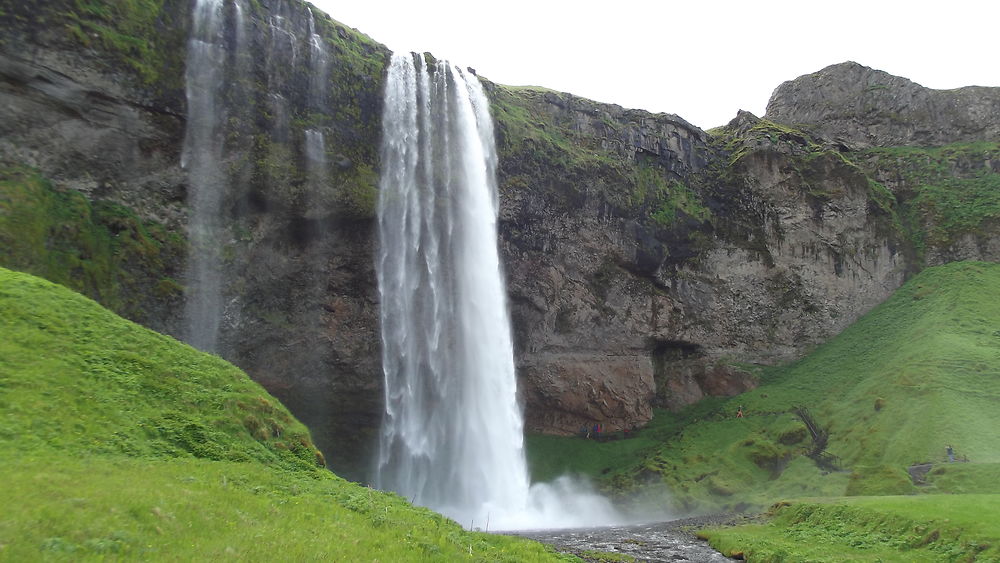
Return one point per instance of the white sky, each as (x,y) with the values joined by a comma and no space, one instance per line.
(700,59)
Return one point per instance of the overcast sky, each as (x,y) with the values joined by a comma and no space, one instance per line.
(700,59)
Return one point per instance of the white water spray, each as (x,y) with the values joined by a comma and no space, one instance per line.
(319,61)
(452,437)
(202,157)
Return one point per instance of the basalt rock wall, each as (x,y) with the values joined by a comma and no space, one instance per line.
(658,251)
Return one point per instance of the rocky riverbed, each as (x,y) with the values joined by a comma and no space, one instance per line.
(669,541)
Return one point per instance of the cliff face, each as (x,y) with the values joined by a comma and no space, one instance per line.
(648,262)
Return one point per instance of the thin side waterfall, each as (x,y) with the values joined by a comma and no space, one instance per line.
(315,149)
(315,145)
(281,56)
(452,435)
(319,72)
(202,158)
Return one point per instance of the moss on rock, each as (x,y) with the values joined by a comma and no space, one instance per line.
(100,249)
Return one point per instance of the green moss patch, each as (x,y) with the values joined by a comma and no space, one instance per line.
(144,38)
(666,201)
(945,192)
(100,249)
(880,480)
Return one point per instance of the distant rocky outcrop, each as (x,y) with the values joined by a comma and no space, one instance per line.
(863,107)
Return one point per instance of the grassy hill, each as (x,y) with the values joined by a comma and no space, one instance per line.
(917,373)
(118,442)
(888,528)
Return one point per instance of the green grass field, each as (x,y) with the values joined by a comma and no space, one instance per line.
(120,443)
(888,528)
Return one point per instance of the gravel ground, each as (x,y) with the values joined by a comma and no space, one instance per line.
(669,541)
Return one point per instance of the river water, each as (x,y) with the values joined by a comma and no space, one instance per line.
(669,541)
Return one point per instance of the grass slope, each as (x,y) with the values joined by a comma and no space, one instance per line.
(918,372)
(893,528)
(118,442)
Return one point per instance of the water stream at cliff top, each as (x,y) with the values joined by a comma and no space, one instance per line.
(452,434)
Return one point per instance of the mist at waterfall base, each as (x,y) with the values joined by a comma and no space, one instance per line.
(452,435)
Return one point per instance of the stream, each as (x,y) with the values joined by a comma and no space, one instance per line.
(669,541)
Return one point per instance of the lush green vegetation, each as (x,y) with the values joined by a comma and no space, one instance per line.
(538,148)
(945,191)
(99,508)
(666,201)
(914,528)
(917,373)
(543,149)
(144,37)
(118,442)
(97,248)
(131,29)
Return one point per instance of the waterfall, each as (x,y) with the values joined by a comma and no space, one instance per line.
(319,74)
(315,145)
(202,158)
(452,436)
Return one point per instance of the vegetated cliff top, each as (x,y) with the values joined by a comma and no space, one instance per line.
(863,107)
(118,442)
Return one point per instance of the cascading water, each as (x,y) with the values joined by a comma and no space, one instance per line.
(315,159)
(281,56)
(319,73)
(315,145)
(202,158)
(452,434)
